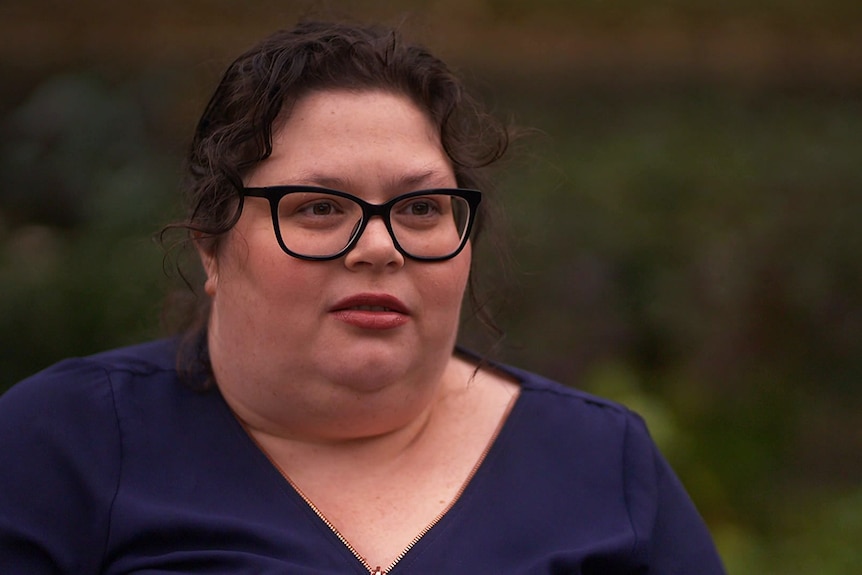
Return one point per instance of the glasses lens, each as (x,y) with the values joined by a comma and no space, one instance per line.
(430,226)
(321,225)
(317,224)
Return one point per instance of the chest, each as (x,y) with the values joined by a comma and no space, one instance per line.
(520,513)
(379,516)
(277,532)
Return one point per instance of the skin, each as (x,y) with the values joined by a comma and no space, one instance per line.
(325,393)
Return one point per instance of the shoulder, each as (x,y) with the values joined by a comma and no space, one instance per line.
(601,456)
(77,409)
(63,429)
(550,389)
(76,383)
(555,427)
(559,406)
(145,358)
(562,427)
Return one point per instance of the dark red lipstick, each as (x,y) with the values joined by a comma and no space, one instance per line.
(371,311)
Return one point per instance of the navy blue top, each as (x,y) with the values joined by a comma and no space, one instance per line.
(111,465)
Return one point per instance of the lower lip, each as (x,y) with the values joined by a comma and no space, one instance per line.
(365,319)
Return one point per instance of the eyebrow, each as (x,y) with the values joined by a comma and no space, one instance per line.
(410,181)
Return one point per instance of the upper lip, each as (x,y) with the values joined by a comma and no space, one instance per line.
(386,301)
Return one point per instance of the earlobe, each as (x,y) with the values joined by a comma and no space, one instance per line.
(210,284)
(207,253)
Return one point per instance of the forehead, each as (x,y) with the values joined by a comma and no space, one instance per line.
(342,135)
(345,119)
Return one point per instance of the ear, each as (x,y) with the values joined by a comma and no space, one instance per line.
(208,253)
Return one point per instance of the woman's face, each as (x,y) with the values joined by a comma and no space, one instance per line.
(365,321)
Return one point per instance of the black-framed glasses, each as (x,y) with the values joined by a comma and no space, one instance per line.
(320,224)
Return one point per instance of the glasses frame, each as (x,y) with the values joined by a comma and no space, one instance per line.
(274,194)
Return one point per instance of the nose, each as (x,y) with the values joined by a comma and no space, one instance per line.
(375,248)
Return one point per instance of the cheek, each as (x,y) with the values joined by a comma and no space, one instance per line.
(463,263)
(253,271)
(446,286)
(265,279)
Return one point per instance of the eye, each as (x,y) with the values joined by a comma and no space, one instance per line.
(420,207)
(320,209)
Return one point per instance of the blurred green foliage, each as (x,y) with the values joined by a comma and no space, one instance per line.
(685,244)
(694,251)
(85,187)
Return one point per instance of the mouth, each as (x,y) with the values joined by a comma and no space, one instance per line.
(381,303)
(370,308)
(371,312)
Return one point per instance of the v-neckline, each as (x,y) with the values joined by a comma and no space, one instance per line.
(468,481)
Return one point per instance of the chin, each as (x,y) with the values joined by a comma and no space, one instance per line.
(370,368)
(375,366)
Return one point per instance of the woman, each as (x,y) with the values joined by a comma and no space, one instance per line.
(319,418)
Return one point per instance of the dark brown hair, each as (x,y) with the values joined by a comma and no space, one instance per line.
(260,87)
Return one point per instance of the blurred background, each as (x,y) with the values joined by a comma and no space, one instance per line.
(683,217)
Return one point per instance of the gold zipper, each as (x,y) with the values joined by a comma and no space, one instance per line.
(378,570)
(327,522)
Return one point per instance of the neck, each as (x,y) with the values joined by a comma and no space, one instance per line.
(375,425)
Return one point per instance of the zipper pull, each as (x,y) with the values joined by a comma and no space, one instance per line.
(378,571)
